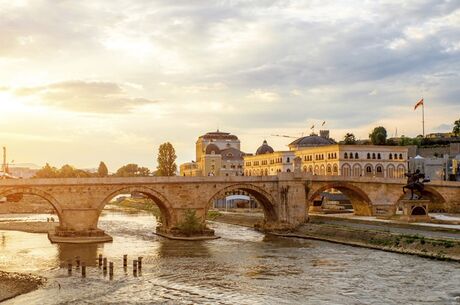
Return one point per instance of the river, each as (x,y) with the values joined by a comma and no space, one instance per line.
(242,267)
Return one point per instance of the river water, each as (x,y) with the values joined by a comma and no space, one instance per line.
(242,267)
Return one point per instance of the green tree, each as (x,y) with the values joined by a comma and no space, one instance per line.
(47,171)
(132,170)
(378,136)
(349,139)
(191,224)
(102,170)
(166,160)
(456,129)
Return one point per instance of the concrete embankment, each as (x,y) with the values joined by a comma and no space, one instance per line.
(412,241)
(14,284)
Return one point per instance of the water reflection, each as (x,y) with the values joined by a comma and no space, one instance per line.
(243,267)
(87,253)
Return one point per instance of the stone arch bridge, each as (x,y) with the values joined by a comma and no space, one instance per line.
(285,198)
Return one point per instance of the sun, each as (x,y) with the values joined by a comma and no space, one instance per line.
(9,103)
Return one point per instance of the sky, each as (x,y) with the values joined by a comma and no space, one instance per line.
(89,81)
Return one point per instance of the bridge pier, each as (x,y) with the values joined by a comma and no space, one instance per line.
(78,225)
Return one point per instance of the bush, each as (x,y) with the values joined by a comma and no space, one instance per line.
(191,224)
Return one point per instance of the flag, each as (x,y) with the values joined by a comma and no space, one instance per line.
(312,127)
(324,122)
(418,104)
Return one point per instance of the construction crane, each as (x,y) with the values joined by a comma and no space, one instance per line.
(283,136)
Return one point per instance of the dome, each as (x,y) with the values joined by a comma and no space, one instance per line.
(311,140)
(264,149)
(212,149)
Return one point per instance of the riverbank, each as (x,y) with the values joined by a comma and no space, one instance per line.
(28,226)
(406,241)
(14,284)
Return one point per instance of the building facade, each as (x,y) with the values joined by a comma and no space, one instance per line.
(217,154)
(319,155)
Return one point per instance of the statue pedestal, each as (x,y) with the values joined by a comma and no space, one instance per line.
(415,210)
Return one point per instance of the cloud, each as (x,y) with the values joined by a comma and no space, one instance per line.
(83,96)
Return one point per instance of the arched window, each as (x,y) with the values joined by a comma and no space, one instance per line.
(335,170)
(288,170)
(329,169)
(379,156)
(368,155)
(379,171)
(357,170)
(391,171)
(304,169)
(322,170)
(351,155)
(369,170)
(288,160)
(400,157)
(356,156)
(345,156)
(391,156)
(310,169)
(346,171)
(373,155)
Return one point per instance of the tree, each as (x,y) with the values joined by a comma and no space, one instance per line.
(102,170)
(349,139)
(46,171)
(456,129)
(166,160)
(378,136)
(132,170)
(67,171)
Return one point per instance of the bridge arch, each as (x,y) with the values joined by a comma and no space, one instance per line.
(160,200)
(362,205)
(263,197)
(33,191)
(437,201)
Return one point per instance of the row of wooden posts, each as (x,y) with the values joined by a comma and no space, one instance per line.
(102,262)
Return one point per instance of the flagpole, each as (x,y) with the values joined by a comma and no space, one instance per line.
(423,118)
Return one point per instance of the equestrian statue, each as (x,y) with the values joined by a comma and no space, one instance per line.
(414,183)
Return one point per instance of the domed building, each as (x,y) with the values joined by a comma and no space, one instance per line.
(267,162)
(264,149)
(321,155)
(217,154)
(312,140)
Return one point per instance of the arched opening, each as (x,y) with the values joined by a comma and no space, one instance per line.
(340,198)
(418,211)
(357,170)
(391,171)
(132,202)
(379,171)
(259,207)
(368,170)
(346,170)
(31,209)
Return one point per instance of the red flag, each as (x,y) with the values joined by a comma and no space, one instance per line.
(418,104)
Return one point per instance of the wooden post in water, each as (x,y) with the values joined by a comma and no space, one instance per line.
(69,267)
(139,262)
(77,261)
(111,270)
(100,260)
(105,264)
(135,267)
(125,261)
(83,269)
